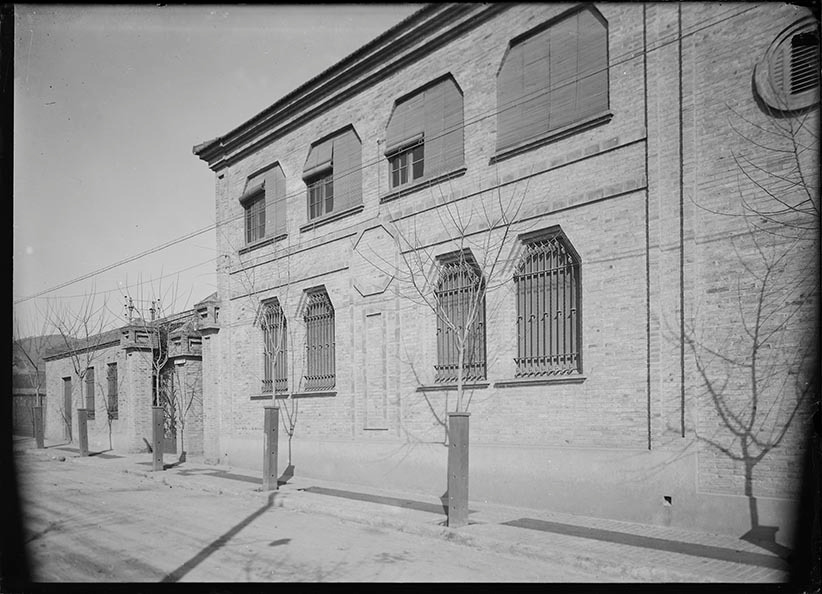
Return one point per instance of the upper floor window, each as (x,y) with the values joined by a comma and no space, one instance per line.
(333,174)
(264,202)
(320,371)
(553,77)
(460,296)
(275,348)
(425,133)
(547,280)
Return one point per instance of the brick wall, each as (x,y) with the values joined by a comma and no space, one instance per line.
(645,199)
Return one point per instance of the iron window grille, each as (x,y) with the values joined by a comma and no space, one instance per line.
(319,345)
(90,392)
(113,402)
(255,219)
(547,282)
(275,349)
(320,196)
(460,296)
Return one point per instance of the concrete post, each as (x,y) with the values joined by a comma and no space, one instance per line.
(157,436)
(271,426)
(82,430)
(458,469)
(38,427)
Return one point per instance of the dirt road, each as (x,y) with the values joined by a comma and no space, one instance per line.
(83,525)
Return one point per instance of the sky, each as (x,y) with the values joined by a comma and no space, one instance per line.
(108,103)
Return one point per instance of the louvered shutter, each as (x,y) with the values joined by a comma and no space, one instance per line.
(553,79)
(319,158)
(407,123)
(509,93)
(593,66)
(453,137)
(347,170)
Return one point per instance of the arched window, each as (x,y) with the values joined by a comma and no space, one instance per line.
(319,343)
(275,349)
(553,77)
(547,282)
(460,296)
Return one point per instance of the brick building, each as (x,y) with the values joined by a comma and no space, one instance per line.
(113,375)
(644,350)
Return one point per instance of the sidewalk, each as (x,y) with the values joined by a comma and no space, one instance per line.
(612,550)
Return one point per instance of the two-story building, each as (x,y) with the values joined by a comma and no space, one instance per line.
(631,191)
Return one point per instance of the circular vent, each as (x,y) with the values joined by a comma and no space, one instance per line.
(787,77)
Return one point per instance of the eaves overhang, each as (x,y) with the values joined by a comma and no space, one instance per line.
(418,35)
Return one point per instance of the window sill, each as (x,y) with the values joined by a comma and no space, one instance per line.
(317,394)
(552,136)
(452,387)
(334,216)
(262,397)
(423,183)
(541,381)
(261,243)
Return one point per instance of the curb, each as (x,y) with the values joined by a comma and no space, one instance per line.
(307,503)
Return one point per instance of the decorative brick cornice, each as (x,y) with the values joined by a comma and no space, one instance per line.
(420,34)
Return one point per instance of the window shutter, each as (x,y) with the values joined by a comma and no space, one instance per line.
(553,79)
(347,170)
(434,99)
(563,48)
(407,121)
(535,96)
(319,158)
(453,139)
(593,66)
(509,91)
(275,210)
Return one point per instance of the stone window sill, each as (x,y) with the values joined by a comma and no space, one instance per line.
(552,136)
(334,216)
(452,387)
(317,394)
(423,183)
(261,243)
(540,381)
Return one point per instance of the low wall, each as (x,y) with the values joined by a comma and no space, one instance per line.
(635,485)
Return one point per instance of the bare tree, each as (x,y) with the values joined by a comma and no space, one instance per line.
(451,277)
(760,372)
(81,331)
(28,363)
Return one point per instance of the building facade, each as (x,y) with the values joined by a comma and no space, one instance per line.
(116,376)
(614,182)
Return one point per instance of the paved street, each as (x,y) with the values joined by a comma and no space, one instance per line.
(100,526)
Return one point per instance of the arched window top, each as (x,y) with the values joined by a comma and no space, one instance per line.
(318,305)
(548,245)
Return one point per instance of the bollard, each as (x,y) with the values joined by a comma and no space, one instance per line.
(271,426)
(38,427)
(458,469)
(82,430)
(157,436)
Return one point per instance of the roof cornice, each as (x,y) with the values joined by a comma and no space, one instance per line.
(419,34)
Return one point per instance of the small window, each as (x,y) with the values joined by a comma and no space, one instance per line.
(320,371)
(90,392)
(425,133)
(553,77)
(333,174)
(255,219)
(547,282)
(113,398)
(275,349)
(787,78)
(460,295)
(320,196)
(264,201)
